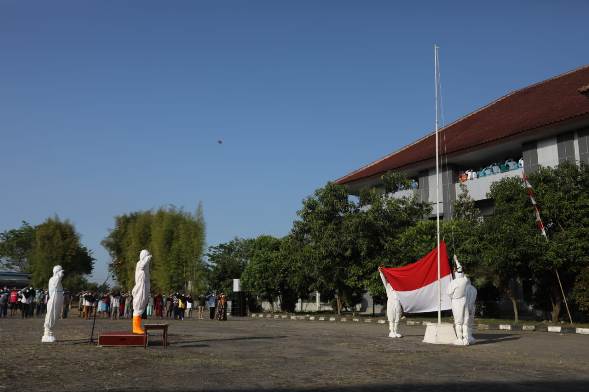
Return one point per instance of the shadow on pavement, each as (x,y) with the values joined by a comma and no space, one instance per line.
(494,338)
(197,343)
(580,385)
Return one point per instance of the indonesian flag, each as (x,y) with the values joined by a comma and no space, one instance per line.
(416,284)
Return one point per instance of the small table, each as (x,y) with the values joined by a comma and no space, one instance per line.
(163,327)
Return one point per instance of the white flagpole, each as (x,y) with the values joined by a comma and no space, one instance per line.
(436,66)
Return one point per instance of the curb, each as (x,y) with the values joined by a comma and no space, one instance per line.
(479,327)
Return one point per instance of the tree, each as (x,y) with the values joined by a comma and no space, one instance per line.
(510,242)
(262,276)
(296,279)
(227,261)
(174,237)
(563,196)
(324,227)
(581,290)
(465,208)
(57,242)
(15,247)
(278,268)
(377,225)
(345,240)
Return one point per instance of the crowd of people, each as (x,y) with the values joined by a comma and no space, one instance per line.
(28,302)
(175,305)
(494,168)
(31,302)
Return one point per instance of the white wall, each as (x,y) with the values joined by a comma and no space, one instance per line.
(478,188)
(547,152)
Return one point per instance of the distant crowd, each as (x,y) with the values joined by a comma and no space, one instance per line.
(28,302)
(31,302)
(175,306)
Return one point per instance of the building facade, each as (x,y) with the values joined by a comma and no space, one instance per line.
(541,125)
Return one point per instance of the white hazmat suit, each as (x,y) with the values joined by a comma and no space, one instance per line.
(463,296)
(394,309)
(471,297)
(54,304)
(141,289)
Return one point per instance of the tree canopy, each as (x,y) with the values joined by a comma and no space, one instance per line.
(338,241)
(226,262)
(15,247)
(174,237)
(37,249)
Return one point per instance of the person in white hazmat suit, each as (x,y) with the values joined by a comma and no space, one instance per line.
(140,291)
(471,296)
(394,309)
(54,304)
(463,296)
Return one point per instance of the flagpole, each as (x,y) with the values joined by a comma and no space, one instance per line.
(436,70)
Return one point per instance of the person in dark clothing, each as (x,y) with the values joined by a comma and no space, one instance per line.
(159,305)
(4,294)
(201,306)
(169,305)
(175,303)
(67,299)
(27,305)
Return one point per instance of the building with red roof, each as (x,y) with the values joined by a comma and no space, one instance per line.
(545,124)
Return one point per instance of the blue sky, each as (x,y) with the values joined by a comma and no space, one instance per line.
(108,107)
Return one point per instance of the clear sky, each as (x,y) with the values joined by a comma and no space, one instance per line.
(109,107)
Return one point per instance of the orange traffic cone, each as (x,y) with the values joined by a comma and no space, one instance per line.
(137,325)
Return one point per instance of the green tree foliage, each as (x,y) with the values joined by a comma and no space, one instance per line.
(581,290)
(295,280)
(509,239)
(563,196)
(346,240)
(465,208)
(506,249)
(227,261)
(324,225)
(176,240)
(376,226)
(263,273)
(278,269)
(463,235)
(15,247)
(56,242)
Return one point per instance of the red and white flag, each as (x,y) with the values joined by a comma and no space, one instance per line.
(416,284)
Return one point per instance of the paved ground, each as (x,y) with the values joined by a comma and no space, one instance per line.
(284,355)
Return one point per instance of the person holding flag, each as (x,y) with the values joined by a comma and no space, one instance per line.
(394,308)
(463,296)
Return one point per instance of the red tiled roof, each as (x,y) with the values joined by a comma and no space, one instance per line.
(548,102)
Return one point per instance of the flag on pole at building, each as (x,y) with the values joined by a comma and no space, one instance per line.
(416,284)
(530,190)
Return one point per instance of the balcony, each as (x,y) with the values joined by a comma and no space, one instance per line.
(404,193)
(478,188)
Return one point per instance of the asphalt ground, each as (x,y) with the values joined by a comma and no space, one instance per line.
(286,355)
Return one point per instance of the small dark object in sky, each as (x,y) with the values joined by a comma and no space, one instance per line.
(220,141)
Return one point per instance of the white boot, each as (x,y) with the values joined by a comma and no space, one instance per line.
(392,333)
(459,341)
(467,335)
(48,336)
(396,330)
